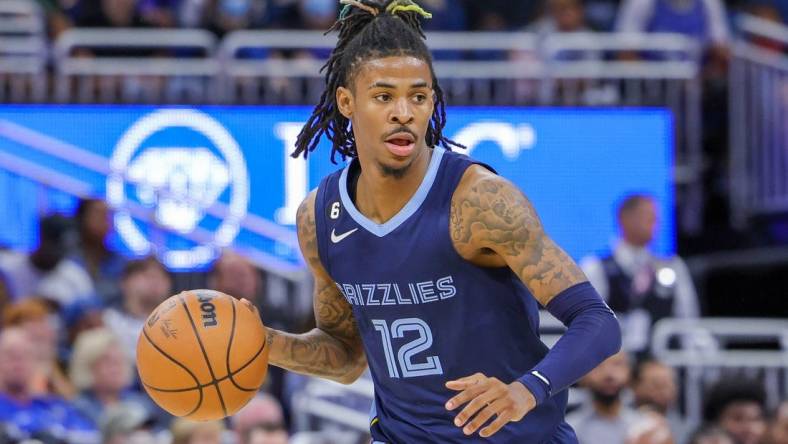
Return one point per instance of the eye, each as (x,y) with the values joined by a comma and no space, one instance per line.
(420,98)
(383,98)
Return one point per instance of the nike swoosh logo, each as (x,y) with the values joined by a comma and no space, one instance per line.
(337,238)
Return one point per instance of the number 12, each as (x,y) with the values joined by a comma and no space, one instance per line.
(404,357)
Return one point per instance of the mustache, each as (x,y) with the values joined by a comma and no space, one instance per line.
(401,129)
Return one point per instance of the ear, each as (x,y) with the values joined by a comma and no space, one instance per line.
(345,104)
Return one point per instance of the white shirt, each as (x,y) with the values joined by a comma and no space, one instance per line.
(592,428)
(66,283)
(127,329)
(636,326)
(634,16)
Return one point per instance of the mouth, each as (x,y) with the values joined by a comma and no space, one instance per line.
(401,144)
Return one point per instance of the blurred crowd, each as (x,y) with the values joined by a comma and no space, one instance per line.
(71,312)
(705,19)
(72,309)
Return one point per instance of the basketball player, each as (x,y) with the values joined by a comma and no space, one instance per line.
(428,266)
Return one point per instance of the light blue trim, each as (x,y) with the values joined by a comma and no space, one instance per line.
(411,207)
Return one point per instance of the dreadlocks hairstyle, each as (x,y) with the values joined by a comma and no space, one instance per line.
(369,29)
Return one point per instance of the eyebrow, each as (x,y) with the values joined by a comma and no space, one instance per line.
(421,84)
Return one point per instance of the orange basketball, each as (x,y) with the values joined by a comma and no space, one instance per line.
(202,354)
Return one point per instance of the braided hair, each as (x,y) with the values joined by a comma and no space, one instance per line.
(369,29)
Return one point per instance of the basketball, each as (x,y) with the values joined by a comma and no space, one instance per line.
(202,354)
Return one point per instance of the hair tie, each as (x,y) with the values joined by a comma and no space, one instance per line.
(349,4)
(407,6)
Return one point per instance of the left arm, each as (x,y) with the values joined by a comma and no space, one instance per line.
(492,223)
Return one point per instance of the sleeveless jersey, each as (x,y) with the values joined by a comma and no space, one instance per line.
(426,315)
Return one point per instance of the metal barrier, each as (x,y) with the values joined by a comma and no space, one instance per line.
(23,52)
(136,66)
(707,355)
(758,115)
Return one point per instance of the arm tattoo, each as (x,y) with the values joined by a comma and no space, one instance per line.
(333,349)
(491,214)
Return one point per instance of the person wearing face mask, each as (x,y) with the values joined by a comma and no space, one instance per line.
(605,418)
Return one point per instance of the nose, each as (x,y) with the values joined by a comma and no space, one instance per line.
(401,112)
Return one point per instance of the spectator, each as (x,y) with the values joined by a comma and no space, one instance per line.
(127,423)
(654,388)
(25,414)
(144,284)
(104,265)
(703,20)
(737,405)
(710,435)
(447,15)
(562,16)
(500,15)
(107,13)
(190,432)
(84,315)
(318,14)
(102,372)
(606,419)
(235,275)
(639,286)
(778,429)
(260,422)
(651,428)
(46,272)
(38,319)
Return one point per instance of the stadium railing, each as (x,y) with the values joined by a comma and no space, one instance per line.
(23,52)
(96,65)
(478,69)
(758,111)
(713,347)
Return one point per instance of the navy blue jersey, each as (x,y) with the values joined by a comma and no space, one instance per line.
(425,314)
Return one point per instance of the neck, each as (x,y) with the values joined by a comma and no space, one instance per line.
(107,397)
(380,197)
(608,410)
(633,244)
(18,394)
(93,247)
(136,309)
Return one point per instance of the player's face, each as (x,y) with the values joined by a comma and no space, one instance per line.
(390,106)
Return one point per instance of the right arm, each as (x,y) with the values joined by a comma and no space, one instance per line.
(333,350)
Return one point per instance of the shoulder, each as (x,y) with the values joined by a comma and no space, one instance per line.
(490,202)
(307,232)
(307,209)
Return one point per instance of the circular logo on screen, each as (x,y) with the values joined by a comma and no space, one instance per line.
(175,186)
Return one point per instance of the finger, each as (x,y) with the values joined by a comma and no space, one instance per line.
(487,412)
(465,396)
(502,419)
(463,383)
(476,404)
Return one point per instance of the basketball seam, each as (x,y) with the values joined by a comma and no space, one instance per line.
(167,355)
(240,369)
(215,382)
(230,374)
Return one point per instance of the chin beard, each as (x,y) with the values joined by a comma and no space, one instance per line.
(606,399)
(396,173)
